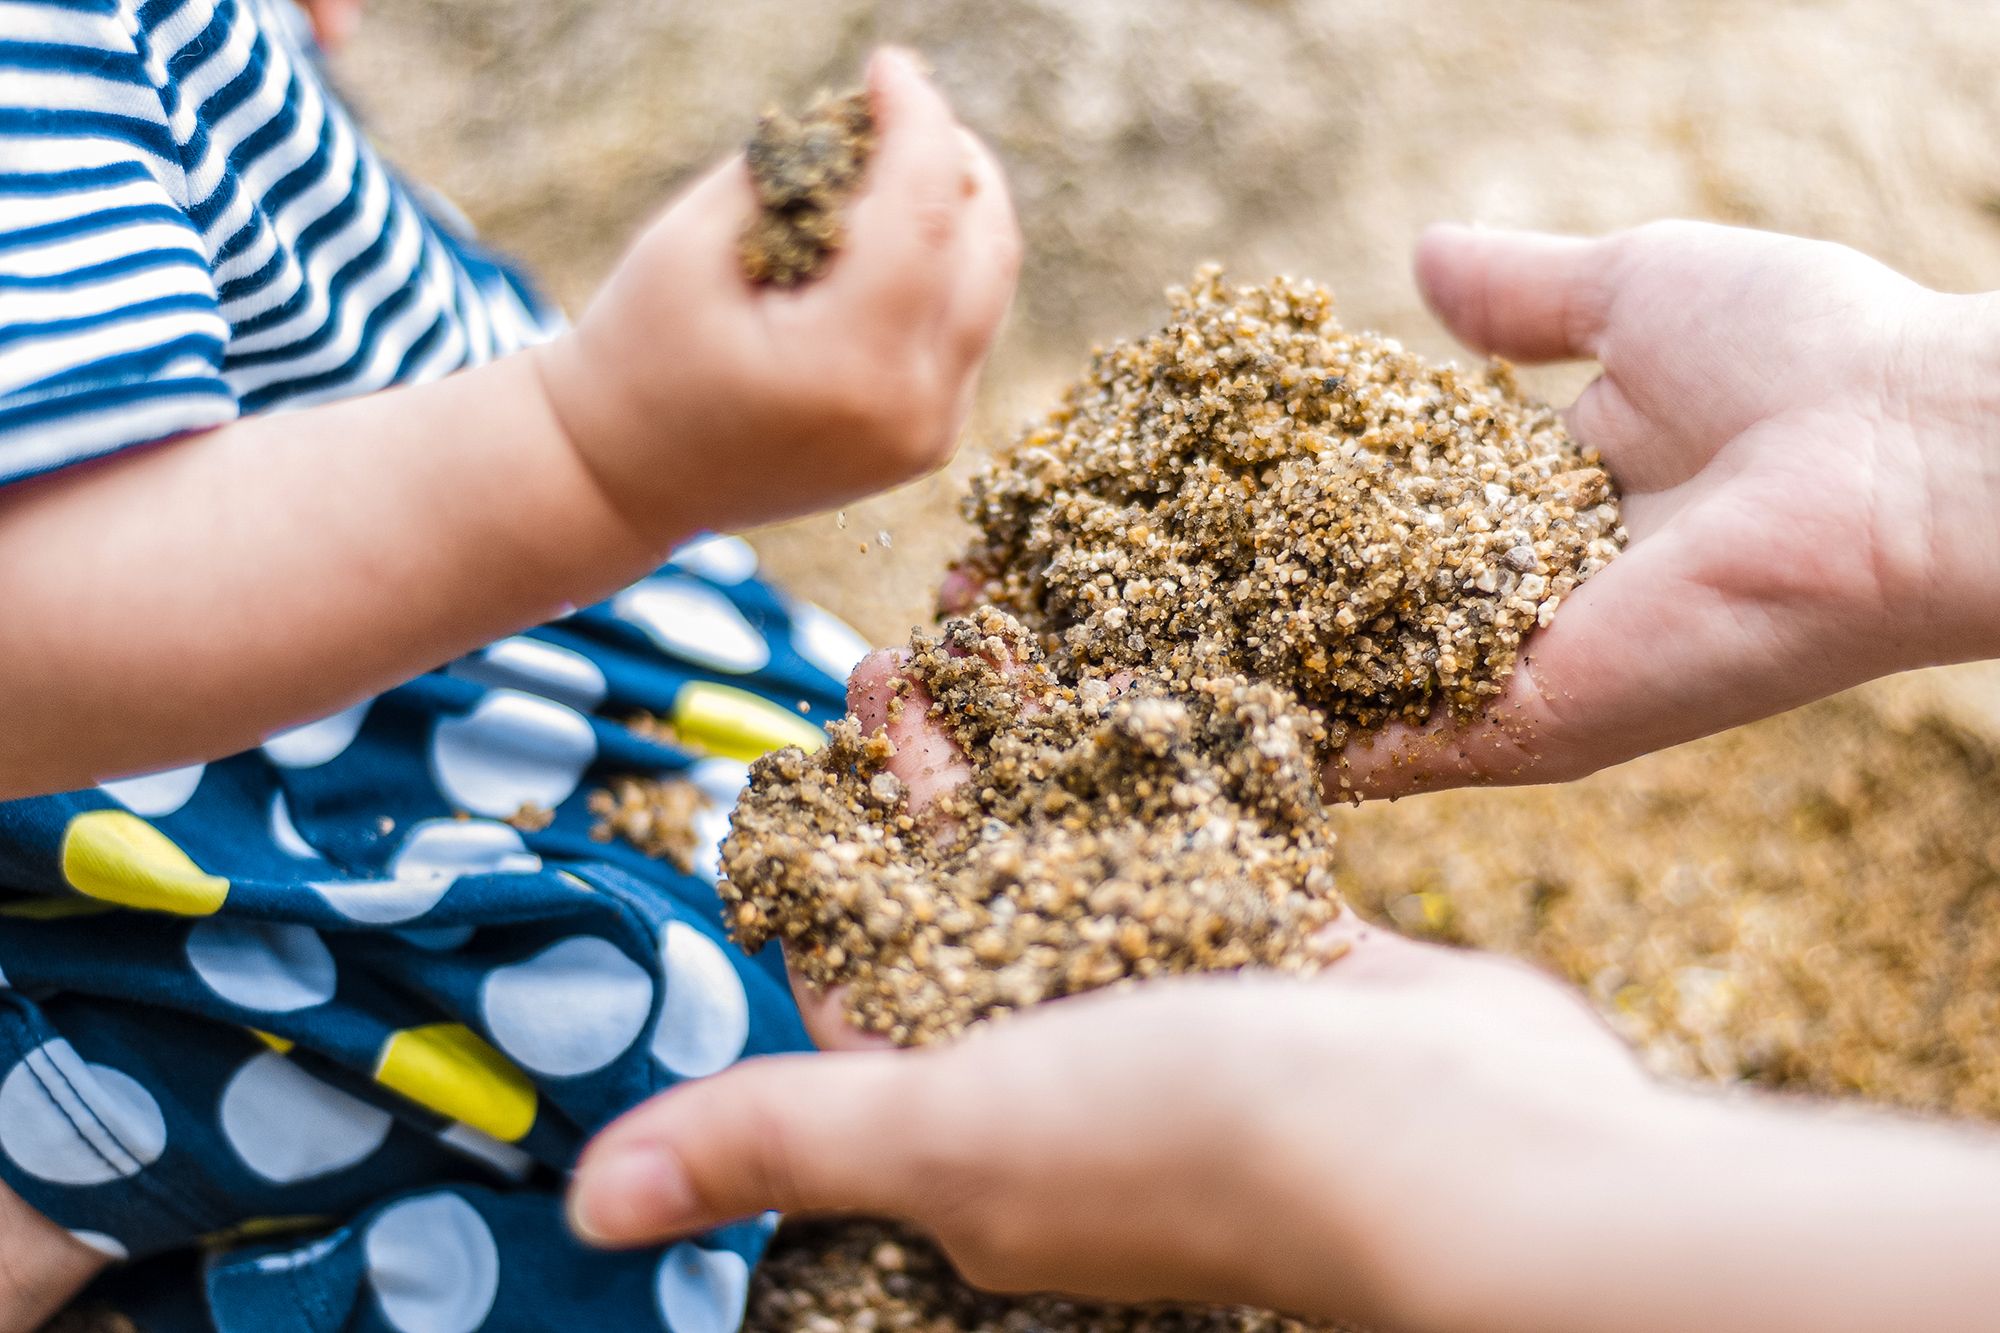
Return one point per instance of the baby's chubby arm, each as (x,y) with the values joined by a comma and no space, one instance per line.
(183,601)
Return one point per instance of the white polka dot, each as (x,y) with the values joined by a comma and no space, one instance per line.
(318,742)
(433,1264)
(270,966)
(702,1291)
(286,834)
(156,794)
(108,1246)
(287,1126)
(571,1009)
(694,621)
(721,781)
(433,857)
(826,642)
(512,750)
(533,666)
(449,848)
(723,559)
(505,1158)
(704,1015)
(711,826)
(72,1123)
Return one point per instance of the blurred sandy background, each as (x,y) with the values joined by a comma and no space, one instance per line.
(1311,136)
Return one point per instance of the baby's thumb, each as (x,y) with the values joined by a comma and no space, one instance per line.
(818,1133)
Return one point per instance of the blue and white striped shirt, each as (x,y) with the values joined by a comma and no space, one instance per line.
(192,228)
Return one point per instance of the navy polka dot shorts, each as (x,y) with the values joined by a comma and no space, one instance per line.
(308,1037)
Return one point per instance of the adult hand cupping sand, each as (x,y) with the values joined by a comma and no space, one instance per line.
(1325,1132)
(1804,445)
(1414,1138)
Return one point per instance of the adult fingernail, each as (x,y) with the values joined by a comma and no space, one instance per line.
(630,1193)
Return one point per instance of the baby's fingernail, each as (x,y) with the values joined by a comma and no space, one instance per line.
(631,1193)
(912,62)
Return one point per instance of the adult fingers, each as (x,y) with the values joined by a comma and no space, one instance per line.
(816,1133)
(1641,657)
(1525,295)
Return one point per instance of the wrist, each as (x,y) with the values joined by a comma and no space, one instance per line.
(1526,1240)
(1947,399)
(609,446)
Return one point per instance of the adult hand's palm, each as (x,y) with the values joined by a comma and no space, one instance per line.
(1775,412)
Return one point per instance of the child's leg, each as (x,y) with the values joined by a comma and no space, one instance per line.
(41,1266)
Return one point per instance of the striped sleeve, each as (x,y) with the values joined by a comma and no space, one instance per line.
(110,329)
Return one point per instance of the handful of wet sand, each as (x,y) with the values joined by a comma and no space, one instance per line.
(1233,547)
(804,169)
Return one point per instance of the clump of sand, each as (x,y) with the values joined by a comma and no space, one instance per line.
(1253,490)
(804,169)
(1106,830)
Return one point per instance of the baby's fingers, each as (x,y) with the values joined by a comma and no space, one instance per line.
(824,1013)
(903,230)
(927,760)
(989,260)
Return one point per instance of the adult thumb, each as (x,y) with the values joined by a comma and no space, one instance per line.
(808,1133)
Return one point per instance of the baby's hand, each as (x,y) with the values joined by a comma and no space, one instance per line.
(700,400)
(1806,445)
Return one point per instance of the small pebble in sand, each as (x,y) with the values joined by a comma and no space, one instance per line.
(804,169)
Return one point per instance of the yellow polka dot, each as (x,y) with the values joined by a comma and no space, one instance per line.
(54,909)
(738,724)
(117,857)
(448,1068)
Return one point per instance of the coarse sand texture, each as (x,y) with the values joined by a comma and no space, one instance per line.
(1233,547)
(1252,489)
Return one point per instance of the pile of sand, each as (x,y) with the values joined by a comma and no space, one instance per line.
(1233,545)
